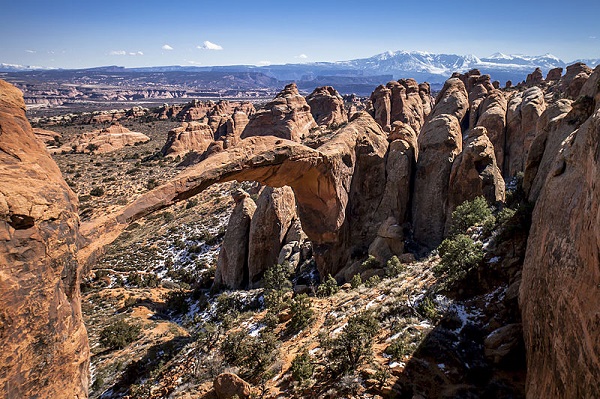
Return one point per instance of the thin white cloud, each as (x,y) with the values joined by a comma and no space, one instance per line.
(194,63)
(30,51)
(118,52)
(302,56)
(167,47)
(209,46)
(593,37)
(263,63)
(136,53)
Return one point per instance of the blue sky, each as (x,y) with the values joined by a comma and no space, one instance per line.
(86,33)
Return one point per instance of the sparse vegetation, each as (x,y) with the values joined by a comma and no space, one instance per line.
(354,345)
(302,366)
(393,267)
(472,213)
(302,313)
(119,334)
(328,288)
(460,255)
(276,285)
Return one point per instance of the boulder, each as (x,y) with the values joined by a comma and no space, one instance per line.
(504,343)
(45,350)
(327,106)
(47,137)
(232,263)
(228,385)
(287,116)
(275,210)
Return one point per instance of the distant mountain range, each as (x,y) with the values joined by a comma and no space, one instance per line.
(423,66)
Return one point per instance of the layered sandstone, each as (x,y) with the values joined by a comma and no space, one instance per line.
(190,136)
(275,211)
(232,264)
(561,283)
(327,106)
(287,116)
(44,344)
(440,143)
(108,139)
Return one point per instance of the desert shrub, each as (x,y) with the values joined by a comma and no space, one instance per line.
(459,255)
(471,213)
(426,308)
(152,183)
(371,263)
(356,281)
(176,301)
(91,147)
(397,349)
(328,288)
(119,334)
(302,366)
(192,202)
(354,345)
(135,279)
(97,191)
(373,281)
(394,267)
(253,353)
(302,313)
(270,320)
(276,285)
(505,215)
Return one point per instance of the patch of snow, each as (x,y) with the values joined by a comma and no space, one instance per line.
(393,365)
(495,259)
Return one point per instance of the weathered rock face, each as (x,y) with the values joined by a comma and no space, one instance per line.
(228,385)
(235,125)
(382,105)
(275,210)
(561,279)
(475,173)
(440,142)
(232,264)
(574,78)
(44,344)
(46,136)
(287,116)
(554,74)
(492,116)
(338,188)
(524,110)
(104,140)
(190,136)
(535,77)
(327,106)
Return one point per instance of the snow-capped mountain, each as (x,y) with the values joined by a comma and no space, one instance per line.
(20,68)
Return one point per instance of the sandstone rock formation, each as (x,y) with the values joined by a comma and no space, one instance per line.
(232,264)
(475,173)
(235,125)
(287,116)
(44,344)
(327,106)
(554,74)
(492,116)
(524,110)
(228,385)
(572,82)
(561,283)
(440,142)
(535,77)
(275,210)
(382,105)
(104,140)
(190,136)
(337,186)
(47,137)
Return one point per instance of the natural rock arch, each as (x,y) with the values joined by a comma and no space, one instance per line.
(322,180)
